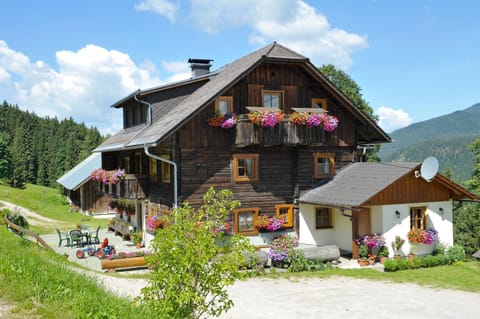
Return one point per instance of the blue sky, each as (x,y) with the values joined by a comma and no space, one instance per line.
(413,59)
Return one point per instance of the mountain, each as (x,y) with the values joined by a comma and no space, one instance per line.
(445,137)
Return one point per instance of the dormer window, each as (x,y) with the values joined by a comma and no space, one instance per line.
(272,99)
(224,104)
(134,115)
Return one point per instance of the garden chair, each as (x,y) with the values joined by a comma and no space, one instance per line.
(94,237)
(63,236)
(76,236)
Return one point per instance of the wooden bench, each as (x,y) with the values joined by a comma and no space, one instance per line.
(123,263)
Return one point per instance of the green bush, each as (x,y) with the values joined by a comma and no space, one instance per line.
(297,262)
(18,220)
(4,212)
(456,253)
(392,265)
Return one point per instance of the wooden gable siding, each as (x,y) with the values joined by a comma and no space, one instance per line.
(410,189)
(298,92)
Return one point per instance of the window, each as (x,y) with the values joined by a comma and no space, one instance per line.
(285,211)
(134,115)
(138,163)
(245,167)
(324,165)
(126,164)
(418,218)
(323,218)
(224,104)
(153,170)
(166,170)
(244,221)
(273,99)
(319,104)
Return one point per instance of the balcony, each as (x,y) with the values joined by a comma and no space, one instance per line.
(132,186)
(284,133)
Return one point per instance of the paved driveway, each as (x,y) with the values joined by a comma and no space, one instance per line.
(342,297)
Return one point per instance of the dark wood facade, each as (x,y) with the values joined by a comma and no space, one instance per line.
(204,154)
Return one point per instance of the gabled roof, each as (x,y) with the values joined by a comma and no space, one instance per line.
(357,183)
(80,174)
(177,114)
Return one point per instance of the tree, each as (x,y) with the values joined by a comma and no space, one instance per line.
(193,262)
(466,222)
(466,228)
(352,91)
(473,184)
(5,158)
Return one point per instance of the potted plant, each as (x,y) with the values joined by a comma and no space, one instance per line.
(383,253)
(137,238)
(411,253)
(396,246)
(363,255)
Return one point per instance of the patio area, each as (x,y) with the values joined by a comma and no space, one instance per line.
(90,262)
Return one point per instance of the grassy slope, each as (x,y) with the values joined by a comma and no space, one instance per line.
(50,203)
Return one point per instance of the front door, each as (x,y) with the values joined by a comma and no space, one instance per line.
(360,226)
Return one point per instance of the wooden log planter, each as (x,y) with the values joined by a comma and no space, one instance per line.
(122,263)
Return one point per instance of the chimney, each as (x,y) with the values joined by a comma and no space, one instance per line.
(199,67)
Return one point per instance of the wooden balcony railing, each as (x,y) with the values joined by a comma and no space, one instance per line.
(132,186)
(284,133)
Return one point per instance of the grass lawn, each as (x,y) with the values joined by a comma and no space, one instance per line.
(48,202)
(460,276)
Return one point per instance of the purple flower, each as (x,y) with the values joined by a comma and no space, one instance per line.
(330,123)
(229,123)
(313,120)
(270,120)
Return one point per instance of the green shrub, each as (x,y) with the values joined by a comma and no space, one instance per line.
(4,212)
(392,265)
(456,253)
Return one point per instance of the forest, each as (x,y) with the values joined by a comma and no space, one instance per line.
(40,150)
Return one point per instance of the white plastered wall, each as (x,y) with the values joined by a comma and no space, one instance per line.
(439,217)
(384,220)
(340,234)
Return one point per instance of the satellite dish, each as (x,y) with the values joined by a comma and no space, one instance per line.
(429,168)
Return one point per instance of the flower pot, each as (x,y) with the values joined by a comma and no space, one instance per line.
(397,257)
(411,257)
(363,262)
(382,259)
(138,245)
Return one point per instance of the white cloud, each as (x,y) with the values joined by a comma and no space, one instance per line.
(86,83)
(162,7)
(391,119)
(293,23)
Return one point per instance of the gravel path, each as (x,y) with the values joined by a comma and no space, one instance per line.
(32,217)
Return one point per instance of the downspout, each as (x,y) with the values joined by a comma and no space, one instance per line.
(175,187)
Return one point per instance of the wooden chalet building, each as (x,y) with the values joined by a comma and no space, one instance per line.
(172,152)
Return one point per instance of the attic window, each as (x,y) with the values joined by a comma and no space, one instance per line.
(272,99)
(319,104)
(224,104)
(323,165)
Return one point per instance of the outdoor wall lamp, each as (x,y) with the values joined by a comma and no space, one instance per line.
(441,210)
(397,213)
